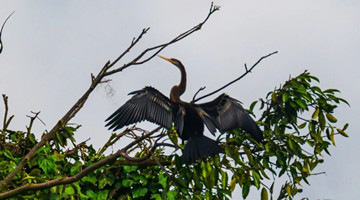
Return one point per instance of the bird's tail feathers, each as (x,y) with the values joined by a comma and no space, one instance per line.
(200,146)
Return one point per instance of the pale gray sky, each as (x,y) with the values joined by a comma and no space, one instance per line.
(51,47)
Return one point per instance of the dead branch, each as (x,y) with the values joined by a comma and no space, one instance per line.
(159,48)
(6,120)
(240,77)
(32,119)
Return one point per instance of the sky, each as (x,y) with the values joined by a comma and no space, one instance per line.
(52,47)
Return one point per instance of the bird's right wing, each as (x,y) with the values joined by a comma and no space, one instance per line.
(146,104)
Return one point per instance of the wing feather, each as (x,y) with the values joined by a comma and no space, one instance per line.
(146,104)
(229,114)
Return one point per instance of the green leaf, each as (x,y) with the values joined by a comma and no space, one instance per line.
(331,118)
(171,195)
(249,155)
(127,182)
(138,177)
(128,168)
(263,173)
(32,138)
(232,184)
(301,103)
(8,154)
(156,197)
(291,144)
(316,113)
(106,179)
(314,78)
(322,121)
(301,126)
(343,100)
(331,91)
(173,136)
(246,189)
(264,194)
(58,157)
(46,164)
(103,194)
(140,192)
(75,168)
(342,132)
(163,180)
(285,97)
(90,178)
(288,190)
(256,178)
(252,105)
(330,135)
(54,196)
(69,190)
(91,194)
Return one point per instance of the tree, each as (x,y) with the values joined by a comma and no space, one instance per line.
(297,120)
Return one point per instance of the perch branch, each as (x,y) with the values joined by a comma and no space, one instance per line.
(244,74)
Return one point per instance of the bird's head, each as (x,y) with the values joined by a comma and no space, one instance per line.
(172,60)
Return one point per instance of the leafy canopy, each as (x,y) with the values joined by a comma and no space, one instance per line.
(297,120)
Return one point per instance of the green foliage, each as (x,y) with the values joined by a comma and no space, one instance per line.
(299,126)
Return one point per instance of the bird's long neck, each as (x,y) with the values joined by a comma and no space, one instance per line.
(178,90)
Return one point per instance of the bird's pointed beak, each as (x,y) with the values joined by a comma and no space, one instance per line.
(167,59)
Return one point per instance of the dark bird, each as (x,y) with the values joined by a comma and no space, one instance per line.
(224,113)
(1,45)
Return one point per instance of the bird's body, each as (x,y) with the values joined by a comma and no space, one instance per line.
(193,124)
(224,113)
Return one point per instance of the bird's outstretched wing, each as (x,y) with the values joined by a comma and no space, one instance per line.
(146,104)
(229,114)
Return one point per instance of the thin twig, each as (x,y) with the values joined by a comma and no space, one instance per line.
(32,119)
(244,74)
(202,88)
(160,165)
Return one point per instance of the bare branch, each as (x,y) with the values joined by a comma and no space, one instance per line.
(6,120)
(202,88)
(159,48)
(32,119)
(244,74)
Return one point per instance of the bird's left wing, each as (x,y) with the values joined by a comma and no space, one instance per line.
(229,114)
(146,104)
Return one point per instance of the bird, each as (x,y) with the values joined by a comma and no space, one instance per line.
(224,113)
(1,45)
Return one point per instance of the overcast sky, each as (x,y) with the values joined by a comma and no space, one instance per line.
(51,47)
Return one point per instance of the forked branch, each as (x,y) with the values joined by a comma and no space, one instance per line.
(233,81)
